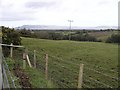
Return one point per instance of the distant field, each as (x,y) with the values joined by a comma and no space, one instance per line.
(100,63)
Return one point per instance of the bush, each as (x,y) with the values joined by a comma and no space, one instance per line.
(83,37)
(115,38)
(9,36)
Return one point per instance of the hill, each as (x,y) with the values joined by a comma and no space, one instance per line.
(55,27)
(100,66)
(64,57)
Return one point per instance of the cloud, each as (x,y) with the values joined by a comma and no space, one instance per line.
(15,16)
(40,4)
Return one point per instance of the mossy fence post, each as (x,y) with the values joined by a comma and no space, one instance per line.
(11,50)
(24,61)
(46,66)
(80,78)
(34,58)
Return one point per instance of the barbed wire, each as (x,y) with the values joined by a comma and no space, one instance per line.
(56,58)
(102,73)
(95,71)
(98,81)
(99,67)
(83,62)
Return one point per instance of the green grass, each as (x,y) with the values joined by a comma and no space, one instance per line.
(64,60)
(10,62)
(37,78)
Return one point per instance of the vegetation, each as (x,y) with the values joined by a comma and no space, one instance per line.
(76,35)
(9,36)
(115,38)
(100,66)
(65,57)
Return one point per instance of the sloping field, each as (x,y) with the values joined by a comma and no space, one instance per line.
(100,62)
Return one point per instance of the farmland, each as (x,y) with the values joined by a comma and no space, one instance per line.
(100,63)
(100,60)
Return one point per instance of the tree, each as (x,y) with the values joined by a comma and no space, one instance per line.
(9,36)
(115,38)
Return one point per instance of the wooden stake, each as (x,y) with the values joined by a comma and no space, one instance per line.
(27,57)
(24,56)
(46,68)
(35,58)
(28,60)
(11,50)
(80,78)
(26,51)
(24,64)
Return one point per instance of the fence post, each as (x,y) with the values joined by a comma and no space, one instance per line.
(24,61)
(11,50)
(80,78)
(24,64)
(46,66)
(26,51)
(27,57)
(35,58)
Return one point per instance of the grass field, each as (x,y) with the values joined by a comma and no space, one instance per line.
(100,63)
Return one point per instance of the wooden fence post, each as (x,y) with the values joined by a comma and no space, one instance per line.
(24,64)
(35,58)
(46,66)
(24,61)
(27,57)
(11,50)
(80,78)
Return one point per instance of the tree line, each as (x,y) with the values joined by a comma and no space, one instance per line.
(10,35)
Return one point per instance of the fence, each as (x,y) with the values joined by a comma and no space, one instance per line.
(8,81)
(65,72)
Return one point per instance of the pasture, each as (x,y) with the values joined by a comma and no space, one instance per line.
(100,63)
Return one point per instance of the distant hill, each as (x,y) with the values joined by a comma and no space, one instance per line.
(54,27)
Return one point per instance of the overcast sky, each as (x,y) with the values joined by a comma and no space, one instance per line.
(56,12)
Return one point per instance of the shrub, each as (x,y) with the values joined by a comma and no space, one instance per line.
(115,38)
(9,36)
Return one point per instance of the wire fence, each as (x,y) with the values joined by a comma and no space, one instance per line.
(65,73)
(8,81)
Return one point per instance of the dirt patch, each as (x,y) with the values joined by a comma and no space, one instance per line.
(24,79)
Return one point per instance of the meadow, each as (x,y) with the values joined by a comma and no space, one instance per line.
(100,63)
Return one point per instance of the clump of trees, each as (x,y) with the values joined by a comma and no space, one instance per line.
(114,38)
(83,37)
(53,35)
(9,36)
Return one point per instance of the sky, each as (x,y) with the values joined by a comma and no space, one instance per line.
(15,13)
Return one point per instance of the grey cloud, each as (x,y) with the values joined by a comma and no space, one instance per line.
(40,4)
(15,16)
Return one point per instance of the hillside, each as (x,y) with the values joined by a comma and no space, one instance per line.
(64,57)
